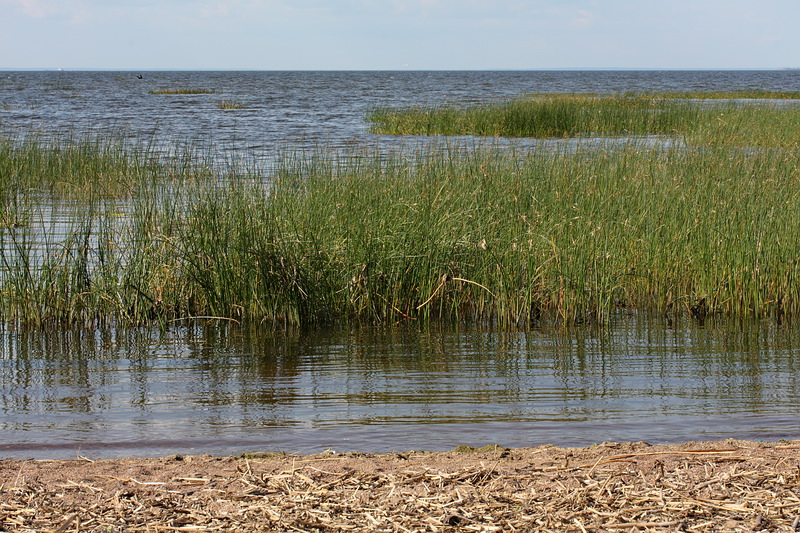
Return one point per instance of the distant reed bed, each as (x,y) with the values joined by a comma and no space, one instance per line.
(231,104)
(756,94)
(182,90)
(543,117)
(482,235)
(726,121)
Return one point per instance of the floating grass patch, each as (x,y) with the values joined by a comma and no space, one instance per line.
(184,90)
(231,104)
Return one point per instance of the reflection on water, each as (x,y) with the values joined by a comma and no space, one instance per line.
(224,389)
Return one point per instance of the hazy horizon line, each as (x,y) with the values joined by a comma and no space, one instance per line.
(532,69)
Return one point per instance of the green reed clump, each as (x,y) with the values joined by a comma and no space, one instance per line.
(86,166)
(447,233)
(32,168)
(182,90)
(756,94)
(545,116)
(110,262)
(723,122)
(81,224)
(491,235)
(750,127)
(66,166)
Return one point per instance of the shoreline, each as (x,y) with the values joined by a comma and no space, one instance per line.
(729,485)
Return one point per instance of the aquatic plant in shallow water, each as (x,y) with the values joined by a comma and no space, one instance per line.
(725,121)
(492,236)
(183,90)
(750,94)
(543,117)
(68,166)
(69,251)
(231,104)
(445,233)
(754,94)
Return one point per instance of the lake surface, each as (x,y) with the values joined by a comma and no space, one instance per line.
(299,110)
(224,389)
(219,388)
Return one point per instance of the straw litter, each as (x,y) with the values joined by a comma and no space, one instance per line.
(712,486)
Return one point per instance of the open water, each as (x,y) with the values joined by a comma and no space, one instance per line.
(223,389)
(295,110)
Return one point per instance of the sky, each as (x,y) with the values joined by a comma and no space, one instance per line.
(399,34)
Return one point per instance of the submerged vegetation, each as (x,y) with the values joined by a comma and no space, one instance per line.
(446,233)
(231,104)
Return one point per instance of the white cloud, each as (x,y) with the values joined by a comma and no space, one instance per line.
(583,18)
(217,10)
(410,5)
(74,11)
(35,8)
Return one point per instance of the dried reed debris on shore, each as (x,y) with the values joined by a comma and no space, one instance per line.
(725,486)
